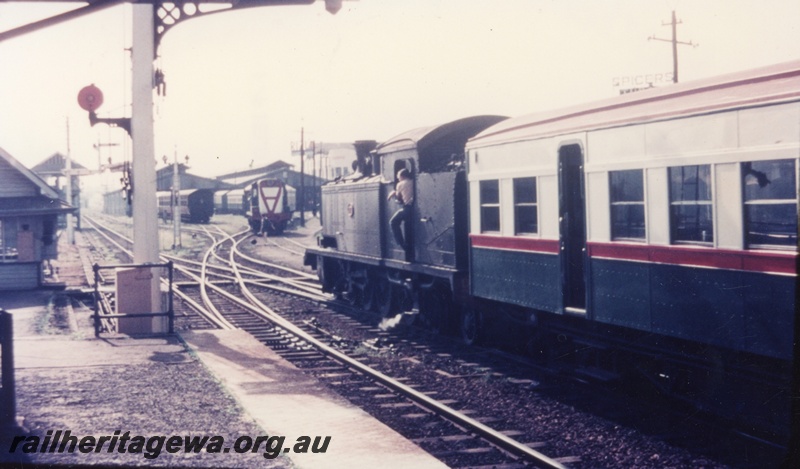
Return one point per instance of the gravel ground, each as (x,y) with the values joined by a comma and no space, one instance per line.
(567,428)
(148,400)
(174,396)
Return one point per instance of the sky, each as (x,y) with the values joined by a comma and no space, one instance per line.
(240,85)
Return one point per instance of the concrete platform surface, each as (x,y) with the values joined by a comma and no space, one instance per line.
(285,401)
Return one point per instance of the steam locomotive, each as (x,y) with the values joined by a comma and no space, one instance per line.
(652,234)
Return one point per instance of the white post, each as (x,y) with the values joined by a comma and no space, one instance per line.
(145,217)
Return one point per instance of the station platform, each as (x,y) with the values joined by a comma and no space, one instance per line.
(224,385)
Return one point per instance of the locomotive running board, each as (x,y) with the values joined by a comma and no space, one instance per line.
(434,271)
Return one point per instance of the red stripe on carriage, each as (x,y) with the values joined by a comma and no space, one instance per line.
(549,246)
(755,261)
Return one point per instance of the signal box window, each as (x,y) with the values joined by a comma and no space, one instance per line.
(526,217)
(627,205)
(691,210)
(490,206)
(770,203)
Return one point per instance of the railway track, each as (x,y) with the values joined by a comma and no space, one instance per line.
(427,365)
(452,435)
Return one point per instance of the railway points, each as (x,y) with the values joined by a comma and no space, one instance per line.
(246,389)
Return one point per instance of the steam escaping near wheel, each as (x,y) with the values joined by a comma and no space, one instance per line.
(405,318)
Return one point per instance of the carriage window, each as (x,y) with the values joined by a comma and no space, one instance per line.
(770,203)
(691,212)
(490,206)
(526,220)
(627,205)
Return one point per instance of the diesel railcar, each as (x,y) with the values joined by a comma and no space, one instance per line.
(195,205)
(652,235)
(271,206)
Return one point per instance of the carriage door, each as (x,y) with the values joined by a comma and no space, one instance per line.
(572,221)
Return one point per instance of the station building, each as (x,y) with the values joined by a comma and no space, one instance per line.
(53,170)
(29,211)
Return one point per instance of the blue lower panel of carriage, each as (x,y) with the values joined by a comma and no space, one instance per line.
(621,293)
(520,278)
(746,311)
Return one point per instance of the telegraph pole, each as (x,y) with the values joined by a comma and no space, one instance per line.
(97,146)
(314,177)
(302,196)
(70,225)
(674,23)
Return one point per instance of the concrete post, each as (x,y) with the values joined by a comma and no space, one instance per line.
(145,217)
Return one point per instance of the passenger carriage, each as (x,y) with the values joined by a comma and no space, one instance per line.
(194,205)
(662,222)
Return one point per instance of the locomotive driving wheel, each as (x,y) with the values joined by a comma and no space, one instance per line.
(331,275)
(385,297)
(369,297)
(437,308)
(470,325)
(354,284)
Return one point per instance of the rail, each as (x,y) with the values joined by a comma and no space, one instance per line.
(169,313)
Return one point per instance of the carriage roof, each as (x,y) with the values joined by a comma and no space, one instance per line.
(756,87)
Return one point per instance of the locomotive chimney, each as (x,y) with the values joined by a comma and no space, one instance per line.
(365,165)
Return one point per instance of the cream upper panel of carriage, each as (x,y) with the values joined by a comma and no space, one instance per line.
(755,133)
(767,126)
(520,158)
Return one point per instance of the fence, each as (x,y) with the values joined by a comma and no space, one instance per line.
(169,313)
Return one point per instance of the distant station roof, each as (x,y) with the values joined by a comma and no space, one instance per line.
(25,193)
(244,178)
(276,166)
(187,181)
(55,166)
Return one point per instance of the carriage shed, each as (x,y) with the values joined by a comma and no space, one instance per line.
(29,209)
(649,211)
(115,203)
